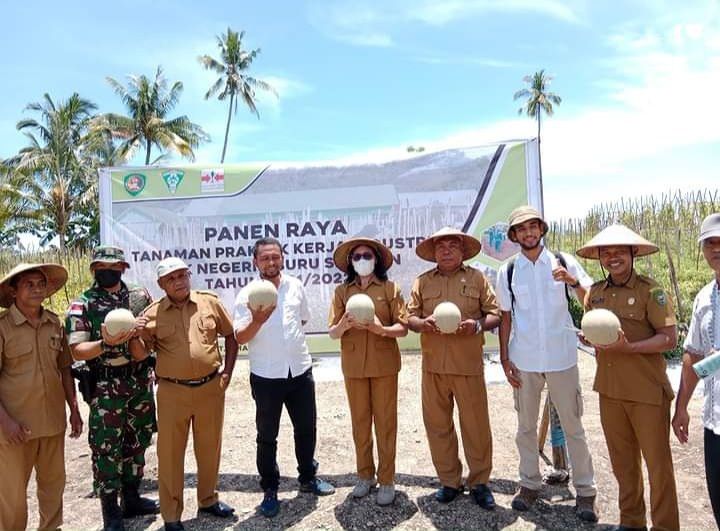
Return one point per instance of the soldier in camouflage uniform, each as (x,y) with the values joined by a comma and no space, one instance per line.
(122,409)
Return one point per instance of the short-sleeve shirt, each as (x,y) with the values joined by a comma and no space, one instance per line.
(543,338)
(87,313)
(279,347)
(362,353)
(185,336)
(703,339)
(642,307)
(471,292)
(31,360)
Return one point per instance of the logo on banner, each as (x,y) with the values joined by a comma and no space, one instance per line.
(134,183)
(212,180)
(172,179)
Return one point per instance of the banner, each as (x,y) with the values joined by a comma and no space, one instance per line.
(211,216)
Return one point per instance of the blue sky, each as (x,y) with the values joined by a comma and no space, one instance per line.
(362,80)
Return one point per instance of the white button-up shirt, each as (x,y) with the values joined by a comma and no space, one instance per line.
(542,337)
(699,341)
(279,347)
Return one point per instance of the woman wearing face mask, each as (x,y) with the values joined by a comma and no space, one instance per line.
(370,359)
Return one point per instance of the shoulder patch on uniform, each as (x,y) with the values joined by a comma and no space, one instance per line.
(659,296)
(76,308)
(207,292)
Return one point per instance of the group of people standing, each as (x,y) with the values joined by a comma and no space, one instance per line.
(530,305)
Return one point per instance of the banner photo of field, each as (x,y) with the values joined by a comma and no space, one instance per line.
(211,216)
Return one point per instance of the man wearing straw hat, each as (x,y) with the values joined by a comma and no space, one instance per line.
(122,409)
(702,341)
(543,349)
(635,392)
(452,364)
(35,383)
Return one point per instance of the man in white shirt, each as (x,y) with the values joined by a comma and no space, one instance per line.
(543,349)
(280,374)
(703,339)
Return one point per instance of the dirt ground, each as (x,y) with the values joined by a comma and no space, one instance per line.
(414,507)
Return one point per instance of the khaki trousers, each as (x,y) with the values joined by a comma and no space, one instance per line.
(179,407)
(632,429)
(374,401)
(564,389)
(47,456)
(439,393)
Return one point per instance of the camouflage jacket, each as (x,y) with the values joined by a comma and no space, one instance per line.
(87,313)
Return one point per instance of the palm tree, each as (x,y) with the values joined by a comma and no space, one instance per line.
(232,66)
(15,204)
(148,103)
(57,172)
(538,100)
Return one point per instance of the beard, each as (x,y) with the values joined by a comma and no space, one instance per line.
(271,274)
(530,247)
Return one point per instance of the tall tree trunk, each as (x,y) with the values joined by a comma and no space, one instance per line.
(227,128)
(542,198)
(148,145)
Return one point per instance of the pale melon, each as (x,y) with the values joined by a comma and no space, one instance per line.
(447,317)
(600,327)
(261,294)
(119,321)
(361,307)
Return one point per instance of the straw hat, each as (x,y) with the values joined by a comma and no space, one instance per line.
(522,214)
(341,256)
(55,274)
(426,248)
(616,235)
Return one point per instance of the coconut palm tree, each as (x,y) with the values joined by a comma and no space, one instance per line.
(233,82)
(15,204)
(149,102)
(538,100)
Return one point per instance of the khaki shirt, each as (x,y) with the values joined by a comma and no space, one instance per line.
(185,337)
(471,292)
(642,307)
(364,354)
(31,388)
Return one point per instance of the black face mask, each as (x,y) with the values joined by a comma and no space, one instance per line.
(107,278)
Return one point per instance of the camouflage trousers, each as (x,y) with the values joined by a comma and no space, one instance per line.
(121,424)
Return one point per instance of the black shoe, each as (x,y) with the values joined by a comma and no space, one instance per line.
(219,509)
(318,487)
(483,496)
(270,505)
(447,494)
(625,528)
(134,505)
(174,526)
(111,512)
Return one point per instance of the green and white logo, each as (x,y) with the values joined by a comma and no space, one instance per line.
(172,179)
(134,183)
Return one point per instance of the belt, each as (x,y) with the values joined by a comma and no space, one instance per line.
(191,383)
(107,372)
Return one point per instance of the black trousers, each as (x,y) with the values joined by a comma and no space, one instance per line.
(712,471)
(298,396)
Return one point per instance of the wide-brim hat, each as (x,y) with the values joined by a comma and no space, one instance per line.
(55,275)
(108,254)
(710,227)
(341,256)
(522,214)
(616,235)
(426,248)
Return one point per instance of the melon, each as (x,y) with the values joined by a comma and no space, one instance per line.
(261,294)
(119,321)
(361,307)
(447,317)
(600,327)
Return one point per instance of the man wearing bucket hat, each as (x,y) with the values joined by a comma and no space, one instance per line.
(452,364)
(183,329)
(370,359)
(703,340)
(543,349)
(634,390)
(35,383)
(122,409)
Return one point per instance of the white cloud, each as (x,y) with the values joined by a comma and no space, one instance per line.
(440,13)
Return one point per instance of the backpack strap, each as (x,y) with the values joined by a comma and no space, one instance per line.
(510,270)
(563,262)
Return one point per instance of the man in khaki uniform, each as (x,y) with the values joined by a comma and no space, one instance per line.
(183,328)
(35,382)
(635,393)
(453,363)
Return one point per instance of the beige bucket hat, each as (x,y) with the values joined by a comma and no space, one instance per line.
(426,248)
(341,256)
(522,214)
(55,275)
(616,235)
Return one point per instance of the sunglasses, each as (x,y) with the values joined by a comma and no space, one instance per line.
(362,256)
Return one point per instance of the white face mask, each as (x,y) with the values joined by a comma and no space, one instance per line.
(364,267)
